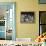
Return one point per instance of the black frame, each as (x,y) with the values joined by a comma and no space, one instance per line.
(39,21)
(31,14)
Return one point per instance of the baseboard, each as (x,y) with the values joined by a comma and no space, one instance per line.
(24,39)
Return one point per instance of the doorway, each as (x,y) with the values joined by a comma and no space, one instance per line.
(42,22)
(7,21)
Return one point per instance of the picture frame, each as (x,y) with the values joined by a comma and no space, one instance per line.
(42,1)
(27,17)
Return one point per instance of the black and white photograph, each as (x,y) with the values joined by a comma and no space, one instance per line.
(27,17)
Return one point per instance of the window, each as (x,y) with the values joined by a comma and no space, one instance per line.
(7,21)
(42,22)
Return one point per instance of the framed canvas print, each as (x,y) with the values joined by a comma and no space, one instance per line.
(7,20)
(42,1)
(27,17)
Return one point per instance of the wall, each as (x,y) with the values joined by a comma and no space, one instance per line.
(27,30)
